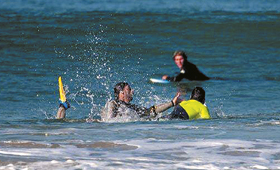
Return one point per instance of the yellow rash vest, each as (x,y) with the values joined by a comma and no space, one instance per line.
(195,109)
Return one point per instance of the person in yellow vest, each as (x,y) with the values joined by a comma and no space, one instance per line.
(193,108)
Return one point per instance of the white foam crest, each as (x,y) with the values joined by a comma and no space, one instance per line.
(227,152)
(267,123)
(200,154)
(259,167)
(14,153)
(185,127)
(54,164)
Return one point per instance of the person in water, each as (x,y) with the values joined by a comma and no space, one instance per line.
(63,106)
(193,108)
(121,106)
(187,69)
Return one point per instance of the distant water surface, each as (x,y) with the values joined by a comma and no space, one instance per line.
(95,44)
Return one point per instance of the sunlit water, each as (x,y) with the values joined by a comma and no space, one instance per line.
(93,45)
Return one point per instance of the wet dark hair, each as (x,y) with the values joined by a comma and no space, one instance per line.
(181,53)
(198,94)
(118,88)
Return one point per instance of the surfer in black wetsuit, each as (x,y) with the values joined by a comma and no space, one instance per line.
(121,107)
(187,69)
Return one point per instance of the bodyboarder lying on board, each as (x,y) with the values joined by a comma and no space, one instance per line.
(187,69)
(194,108)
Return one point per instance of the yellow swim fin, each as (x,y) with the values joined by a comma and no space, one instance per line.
(62,95)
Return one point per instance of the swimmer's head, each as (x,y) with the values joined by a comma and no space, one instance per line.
(198,94)
(123,92)
(179,58)
(180,53)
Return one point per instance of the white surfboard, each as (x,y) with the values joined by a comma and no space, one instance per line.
(153,80)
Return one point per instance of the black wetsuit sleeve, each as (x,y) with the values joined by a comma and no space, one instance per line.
(141,111)
(190,72)
(179,77)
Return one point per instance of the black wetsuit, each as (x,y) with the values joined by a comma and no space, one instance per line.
(141,111)
(189,71)
(117,108)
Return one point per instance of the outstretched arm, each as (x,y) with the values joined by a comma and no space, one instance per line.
(154,110)
(162,107)
(179,77)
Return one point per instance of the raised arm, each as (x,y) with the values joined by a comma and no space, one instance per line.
(164,106)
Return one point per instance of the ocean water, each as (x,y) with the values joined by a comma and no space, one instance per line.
(95,44)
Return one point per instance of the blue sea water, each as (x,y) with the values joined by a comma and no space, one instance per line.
(95,44)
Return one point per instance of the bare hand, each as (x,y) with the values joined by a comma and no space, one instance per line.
(176,100)
(164,77)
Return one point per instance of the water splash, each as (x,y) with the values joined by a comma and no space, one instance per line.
(96,65)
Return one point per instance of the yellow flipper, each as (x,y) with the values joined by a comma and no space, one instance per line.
(62,95)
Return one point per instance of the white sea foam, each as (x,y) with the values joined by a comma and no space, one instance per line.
(14,153)
(144,145)
(259,167)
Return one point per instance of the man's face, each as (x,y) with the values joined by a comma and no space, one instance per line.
(128,93)
(179,60)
